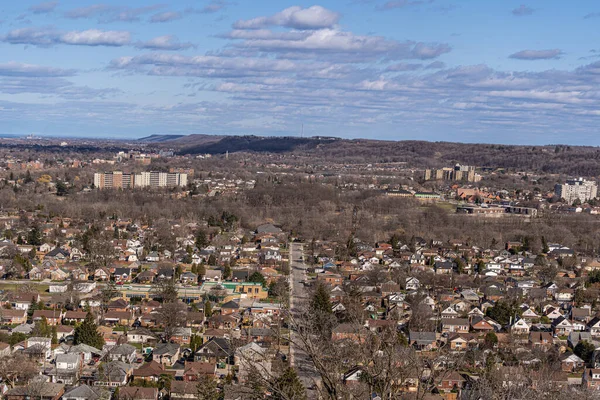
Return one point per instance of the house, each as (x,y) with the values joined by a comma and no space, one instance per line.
(113,374)
(151,372)
(64,331)
(412,283)
(184,390)
(123,352)
(455,325)
(53,317)
(194,370)
(181,335)
(118,305)
(101,274)
(166,354)
(594,327)
(13,316)
(541,339)
(451,382)
(564,295)
(449,312)
(591,378)
(562,326)
(67,368)
(424,341)
(520,327)
(215,350)
(570,362)
(457,342)
(38,347)
(74,316)
(576,337)
(138,393)
(122,275)
(4,349)
(47,391)
(141,336)
(146,277)
(118,318)
(22,301)
(248,357)
(84,392)
(188,278)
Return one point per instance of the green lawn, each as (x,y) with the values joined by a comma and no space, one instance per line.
(15,286)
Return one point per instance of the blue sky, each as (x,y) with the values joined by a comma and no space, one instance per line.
(451,70)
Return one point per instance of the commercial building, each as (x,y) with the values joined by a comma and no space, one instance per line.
(457,173)
(120,180)
(575,189)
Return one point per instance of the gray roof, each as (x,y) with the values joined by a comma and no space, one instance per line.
(422,337)
(268,228)
(83,392)
(124,349)
(67,358)
(166,348)
(84,348)
(23,328)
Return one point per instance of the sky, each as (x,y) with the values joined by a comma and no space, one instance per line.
(493,71)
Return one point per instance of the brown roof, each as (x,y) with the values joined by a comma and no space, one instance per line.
(118,314)
(25,297)
(138,393)
(151,368)
(75,315)
(12,313)
(198,367)
(46,313)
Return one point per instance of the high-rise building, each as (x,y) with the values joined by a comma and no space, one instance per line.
(120,180)
(456,173)
(574,189)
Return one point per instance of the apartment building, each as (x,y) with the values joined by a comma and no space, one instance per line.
(120,180)
(574,189)
(456,173)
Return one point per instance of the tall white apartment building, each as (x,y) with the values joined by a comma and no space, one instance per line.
(154,179)
(575,189)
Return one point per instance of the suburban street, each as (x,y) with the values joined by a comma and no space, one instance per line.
(298,298)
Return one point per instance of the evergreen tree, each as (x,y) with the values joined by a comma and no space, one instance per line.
(34,236)
(226,271)
(257,277)
(288,386)
(201,239)
(212,260)
(207,309)
(320,301)
(87,333)
(201,271)
(54,335)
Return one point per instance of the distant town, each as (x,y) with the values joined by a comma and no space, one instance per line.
(157,274)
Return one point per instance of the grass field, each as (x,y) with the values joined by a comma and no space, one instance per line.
(15,286)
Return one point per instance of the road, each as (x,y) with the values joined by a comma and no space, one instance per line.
(298,298)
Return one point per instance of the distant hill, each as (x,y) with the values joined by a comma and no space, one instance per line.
(159,138)
(234,144)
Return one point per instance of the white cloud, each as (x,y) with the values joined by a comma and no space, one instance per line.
(30,70)
(315,17)
(167,16)
(167,42)
(44,8)
(45,37)
(96,37)
(537,54)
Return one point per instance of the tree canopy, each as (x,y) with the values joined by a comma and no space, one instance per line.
(87,333)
